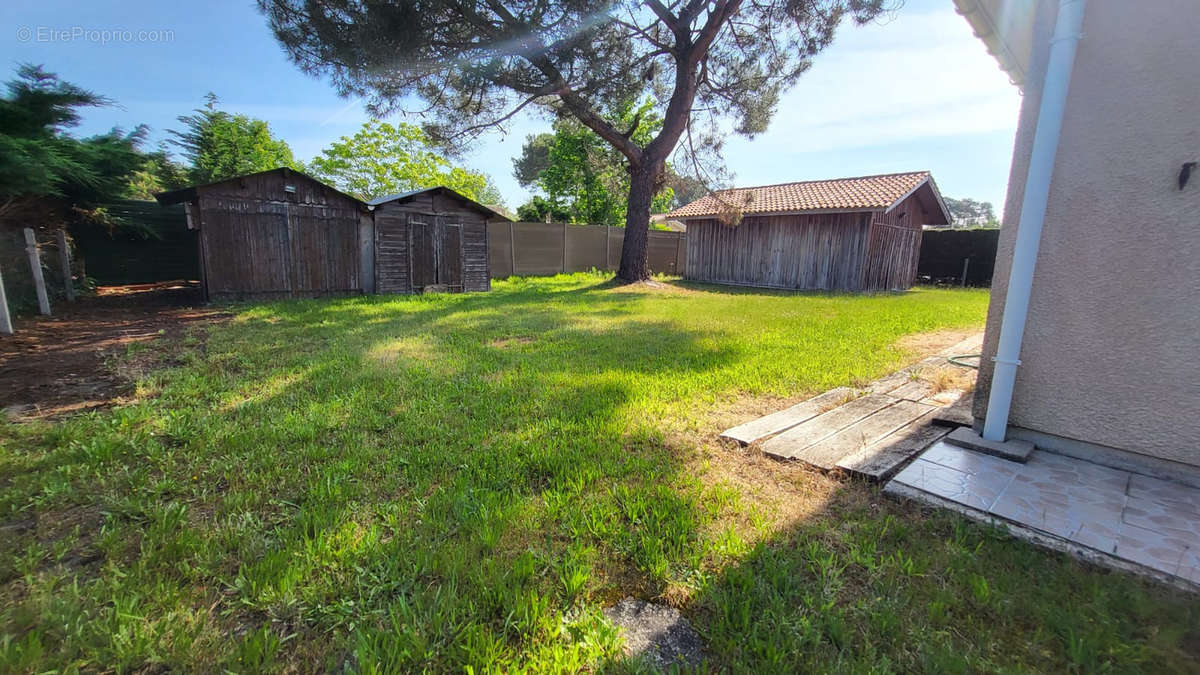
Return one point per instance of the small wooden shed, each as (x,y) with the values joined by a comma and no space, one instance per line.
(432,239)
(274,234)
(281,233)
(853,234)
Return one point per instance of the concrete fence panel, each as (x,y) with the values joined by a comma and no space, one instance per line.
(545,249)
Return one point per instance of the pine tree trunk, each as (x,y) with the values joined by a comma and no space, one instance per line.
(634,266)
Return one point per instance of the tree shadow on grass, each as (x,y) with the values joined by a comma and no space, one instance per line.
(433,482)
(423,490)
(861,582)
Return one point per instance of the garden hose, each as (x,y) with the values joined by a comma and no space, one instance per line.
(957,360)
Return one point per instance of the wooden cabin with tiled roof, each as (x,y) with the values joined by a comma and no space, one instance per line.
(847,234)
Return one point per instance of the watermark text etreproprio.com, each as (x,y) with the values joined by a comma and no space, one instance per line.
(101,36)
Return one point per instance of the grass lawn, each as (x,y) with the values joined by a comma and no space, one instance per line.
(443,482)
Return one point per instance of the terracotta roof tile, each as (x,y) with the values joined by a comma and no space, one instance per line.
(840,194)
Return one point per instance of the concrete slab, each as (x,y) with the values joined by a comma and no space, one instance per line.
(1118,518)
(1014,450)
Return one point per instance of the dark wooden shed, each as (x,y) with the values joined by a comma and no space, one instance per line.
(281,233)
(854,234)
(432,239)
(274,234)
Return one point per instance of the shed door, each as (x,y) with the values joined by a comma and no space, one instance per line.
(423,244)
(391,252)
(436,247)
(449,255)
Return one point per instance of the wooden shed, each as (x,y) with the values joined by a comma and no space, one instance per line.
(281,233)
(854,234)
(274,234)
(432,239)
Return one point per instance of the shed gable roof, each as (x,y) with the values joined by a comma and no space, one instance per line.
(402,197)
(189,193)
(863,193)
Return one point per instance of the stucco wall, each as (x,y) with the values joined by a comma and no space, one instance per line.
(1111,353)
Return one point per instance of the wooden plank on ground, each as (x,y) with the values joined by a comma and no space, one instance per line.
(774,423)
(971,345)
(914,390)
(827,452)
(883,458)
(886,384)
(957,414)
(792,442)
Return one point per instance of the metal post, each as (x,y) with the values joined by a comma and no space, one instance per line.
(966,262)
(64,260)
(35,268)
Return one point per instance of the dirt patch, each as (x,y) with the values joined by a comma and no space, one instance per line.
(656,634)
(504,343)
(936,341)
(57,365)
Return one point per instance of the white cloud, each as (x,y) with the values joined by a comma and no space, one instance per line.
(919,76)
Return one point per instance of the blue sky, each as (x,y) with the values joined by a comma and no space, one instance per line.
(914,91)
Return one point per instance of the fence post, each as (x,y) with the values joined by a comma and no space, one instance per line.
(678,247)
(5,319)
(966,262)
(608,247)
(64,260)
(512,249)
(564,265)
(35,268)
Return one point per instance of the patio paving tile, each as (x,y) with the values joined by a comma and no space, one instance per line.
(975,490)
(969,462)
(1148,521)
(1178,497)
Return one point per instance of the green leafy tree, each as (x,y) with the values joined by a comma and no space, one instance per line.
(219,145)
(49,178)
(383,159)
(158,173)
(971,213)
(578,170)
(541,210)
(470,66)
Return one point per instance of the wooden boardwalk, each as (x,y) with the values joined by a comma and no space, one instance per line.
(873,431)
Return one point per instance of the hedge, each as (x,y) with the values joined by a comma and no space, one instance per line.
(129,256)
(943,252)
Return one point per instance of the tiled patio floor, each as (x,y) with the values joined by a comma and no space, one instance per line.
(1134,518)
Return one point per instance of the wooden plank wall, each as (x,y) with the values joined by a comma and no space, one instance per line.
(391,250)
(392,236)
(895,247)
(545,249)
(257,241)
(477,274)
(812,252)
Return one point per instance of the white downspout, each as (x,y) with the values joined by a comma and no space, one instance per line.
(1033,213)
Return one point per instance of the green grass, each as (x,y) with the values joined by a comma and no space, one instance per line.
(451,482)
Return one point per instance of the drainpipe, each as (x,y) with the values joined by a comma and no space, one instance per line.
(1033,213)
